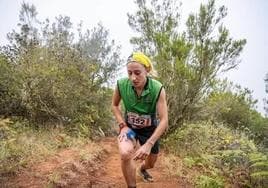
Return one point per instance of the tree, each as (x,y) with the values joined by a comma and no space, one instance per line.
(235,107)
(95,47)
(10,85)
(59,79)
(27,38)
(230,104)
(187,62)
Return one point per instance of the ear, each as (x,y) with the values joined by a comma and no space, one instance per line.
(147,69)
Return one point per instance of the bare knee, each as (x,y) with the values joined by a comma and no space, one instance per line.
(126,155)
(126,149)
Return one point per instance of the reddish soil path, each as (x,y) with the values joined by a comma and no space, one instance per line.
(66,169)
(113,176)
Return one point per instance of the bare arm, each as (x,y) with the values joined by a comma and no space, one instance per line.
(161,107)
(116,107)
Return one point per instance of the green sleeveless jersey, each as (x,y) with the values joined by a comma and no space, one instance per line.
(145,104)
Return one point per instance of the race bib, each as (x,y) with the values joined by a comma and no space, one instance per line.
(138,121)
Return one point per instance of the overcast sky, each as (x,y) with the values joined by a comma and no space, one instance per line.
(246,19)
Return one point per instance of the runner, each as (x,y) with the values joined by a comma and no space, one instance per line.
(144,120)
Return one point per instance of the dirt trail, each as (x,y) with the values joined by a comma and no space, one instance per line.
(65,169)
(113,171)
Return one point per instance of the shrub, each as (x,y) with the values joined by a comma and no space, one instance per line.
(219,150)
(20,143)
(258,169)
(209,182)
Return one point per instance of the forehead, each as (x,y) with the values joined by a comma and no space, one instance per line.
(135,66)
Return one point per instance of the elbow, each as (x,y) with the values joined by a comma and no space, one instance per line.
(166,127)
(115,108)
(166,124)
(112,108)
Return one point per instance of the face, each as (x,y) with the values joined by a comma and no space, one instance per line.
(137,73)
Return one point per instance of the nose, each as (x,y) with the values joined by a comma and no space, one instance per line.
(133,77)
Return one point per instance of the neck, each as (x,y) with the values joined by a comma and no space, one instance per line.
(140,89)
(143,85)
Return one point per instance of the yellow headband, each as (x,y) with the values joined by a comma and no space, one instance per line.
(140,58)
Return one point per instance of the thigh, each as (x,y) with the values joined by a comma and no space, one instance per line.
(126,146)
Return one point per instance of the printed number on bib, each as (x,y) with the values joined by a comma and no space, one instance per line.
(138,121)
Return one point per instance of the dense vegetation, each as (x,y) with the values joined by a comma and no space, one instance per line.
(47,76)
(56,83)
(213,123)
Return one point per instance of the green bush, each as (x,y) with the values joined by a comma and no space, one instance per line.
(10,89)
(206,138)
(258,170)
(52,78)
(232,158)
(236,108)
(209,182)
(219,150)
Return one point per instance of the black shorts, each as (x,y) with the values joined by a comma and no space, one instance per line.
(142,135)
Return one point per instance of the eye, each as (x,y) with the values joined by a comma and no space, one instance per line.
(137,73)
(129,73)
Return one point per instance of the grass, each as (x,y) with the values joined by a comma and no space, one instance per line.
(21,145)
(173,165)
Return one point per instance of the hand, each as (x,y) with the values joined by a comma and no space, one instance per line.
(143,152)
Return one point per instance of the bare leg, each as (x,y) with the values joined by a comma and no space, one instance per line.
(149,162)
(129,171)
(126,149)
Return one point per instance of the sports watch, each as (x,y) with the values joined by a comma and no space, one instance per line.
(121,125)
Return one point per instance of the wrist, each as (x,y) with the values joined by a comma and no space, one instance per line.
(121,125)
(149,142)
